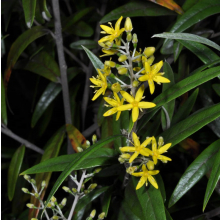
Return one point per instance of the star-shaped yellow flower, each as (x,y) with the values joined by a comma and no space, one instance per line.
(114,33)
(100,81)
(156,152)
(138,148)
(151,74)
(146,175)
(115,103)
(135,103)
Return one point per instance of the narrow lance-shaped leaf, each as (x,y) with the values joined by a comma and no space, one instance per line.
(14,170)
(213,179)
(90,44)
(200,166)
(44,10)
(29,10)
(3,104)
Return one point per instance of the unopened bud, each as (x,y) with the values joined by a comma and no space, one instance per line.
(135,83)
(94,138)
(106,45)
(63,202)
(101,216)
(36,195)
(86,191)
(27,177)
(43,184)
(164,161)
(131,170)
(92,186)
(66,189)
(121,160)
(50,205)
(33,181)
(116,87)
(149,51)
(25,190)
(128,25)
(129,36)
(82,187)
(79,149)
(93,213)
(88,144)
(30,206)
(160,141)
(74,190)
(53,199)
(125,156)
(122,71)
(150,165)
(97,170)
(134,39)
(55,217)
(110,63)
(34,219)
(122,58)
(150,60)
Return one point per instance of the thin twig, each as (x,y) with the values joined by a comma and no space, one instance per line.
(29,145)
(62,64)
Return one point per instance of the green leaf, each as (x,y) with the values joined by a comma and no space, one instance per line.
(90,44)
(82,29)
(3,104)
(14,170)
(44,10)
(75,163)
(19,46)
(145,203)
(103,157)
(190,125)
(177,48)
(107,131)
(197,169)
(29,10)
(214,178)
(42,64)
(188,4)
(136,9)
(188,37)
(116,126)
(202,52)
(186,108)
(7,8)
(94,59)
(161,186)
(124,117)
(195,14)
(168,217)
(216,88)
(106,200)
(170,105)
(50,93)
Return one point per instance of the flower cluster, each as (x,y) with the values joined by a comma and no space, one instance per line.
(137,67)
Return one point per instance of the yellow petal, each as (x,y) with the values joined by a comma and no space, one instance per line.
(107,29)
(144,167)
(118,115)
(146,105)
(153,172)
(154,159)
(106,38)
(151,85)
(120,31)
(133,157)
(111,101)
(154,144)
(135,114)
(110,112)
(152,181)
(137,174)
(128,97)
(125,107)
(97,94)
(143,78)
(117,25)
(164,148)
(141,182)
(147,151)
(101,75)
(161,79)
(139,93)
(96,82)
(144,152)
(127,149)
(146,142)
(116,97)
(156,67)
(147,67)
(135,139)
(136,69)
(161,157)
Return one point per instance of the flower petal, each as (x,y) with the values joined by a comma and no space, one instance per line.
(133,157)
(146,105)
(96,82)
(110,112)
(127,149)
(161,79)
(153,172)
(128,97)
(139,93)
(106,38)
(125,107)
(161,157)
(107,29)
(147,151)
(101,75)
(144,152)
(151,85)
(152,181)
(154,159)
(118,115)
(141,182)
(143,78)
(164,148)
(137,174)
(147,67)
(111,101)
(97,94)
(146,142)
(144,167)
(135,114)
(116,97)
(135,139)
(117,25)
(154,144)
(156,67)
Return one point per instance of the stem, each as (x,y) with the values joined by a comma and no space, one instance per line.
(77,196)
(29,145)
(120,81)
(62,64)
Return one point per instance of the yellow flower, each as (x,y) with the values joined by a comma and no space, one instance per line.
(151,74)
(114,33)
(156,152)
(100,81)
(137,54)
(138,148)
(135,103)
(146,175)
(106,70)
(115,103)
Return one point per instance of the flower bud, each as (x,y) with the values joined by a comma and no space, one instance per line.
(33,181)
(160,141)
(150,60)
(27,177)
(88,144)
(25,190)
(55,217)
(50,205)
(150,165)
(110,63)
(135,83)
(134,39)
(106,45)
(122,71)
(125,156)
(164,161)
(86,191)
(43,184)
(82,187)
(34,219)
(149,51)
(128,25)
(131,170)
(101,216)
(79,149)
(129,36)
(93,213)
(92,186)
(30,206)
(97,170)
(63,202)
(66,189)
(116,87)
(122,58)
(121,160)
(53,199)
(94,138)
(74,190)
(36,195)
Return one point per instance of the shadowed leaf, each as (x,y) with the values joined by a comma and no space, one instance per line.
(29,10)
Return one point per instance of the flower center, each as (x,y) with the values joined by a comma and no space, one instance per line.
(146,174)
(135,104)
